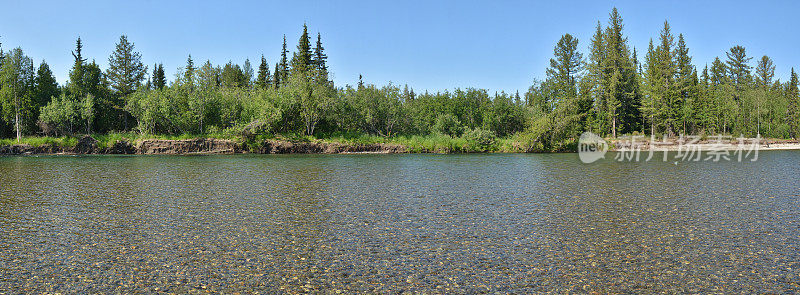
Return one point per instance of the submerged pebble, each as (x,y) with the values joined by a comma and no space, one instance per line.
(397,224)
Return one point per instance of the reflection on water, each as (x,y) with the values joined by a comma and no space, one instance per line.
(380,223)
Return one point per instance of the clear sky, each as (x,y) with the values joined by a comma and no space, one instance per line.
(433,45)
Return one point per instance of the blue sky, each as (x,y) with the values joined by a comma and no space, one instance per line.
(433,45)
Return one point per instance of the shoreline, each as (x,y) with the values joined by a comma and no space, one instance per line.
(212,146)
(705,145)
(200,146)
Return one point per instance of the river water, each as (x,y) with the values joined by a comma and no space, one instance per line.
(507,223)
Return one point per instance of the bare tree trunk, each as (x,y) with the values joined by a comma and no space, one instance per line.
(16,114)
(17,125)
(614,125)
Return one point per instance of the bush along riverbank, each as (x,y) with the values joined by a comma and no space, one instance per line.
(132,143)
(469,142)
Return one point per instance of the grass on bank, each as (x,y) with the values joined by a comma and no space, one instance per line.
(106,140)
(473,142)
(436,143)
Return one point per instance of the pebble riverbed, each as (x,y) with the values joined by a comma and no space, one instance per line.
(467,224)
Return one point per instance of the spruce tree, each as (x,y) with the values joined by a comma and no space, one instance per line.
(125,69)
(152,78)
(125,74)
(595,77)
(247,69)
(188,72)
(45,87)
(719,73)
(685,82)
(564,67)
(283,69)
(794,106)
(277,77)
(738,68)
(159,79)
(263,79)
(668,90)
(301,61)
(233,76)
(652,81)
(622,111)
(319,60)
(765,72)
(76,85)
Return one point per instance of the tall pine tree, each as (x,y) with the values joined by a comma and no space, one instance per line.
(686,76)
(76,85)
(159,79)
(794,106)
(125,69)
(46,86)
(188,72)
(263,78)
(301,61)
(564,68)
(618,78)
(738,68)
(319,60)
(282,68)
(125,74)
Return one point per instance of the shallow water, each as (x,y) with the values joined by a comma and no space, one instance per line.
(503,223)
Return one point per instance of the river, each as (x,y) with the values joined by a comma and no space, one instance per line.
(508,223)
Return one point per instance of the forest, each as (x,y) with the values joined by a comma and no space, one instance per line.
(608,90)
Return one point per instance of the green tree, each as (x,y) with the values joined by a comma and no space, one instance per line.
(46,86)
(233,76)
(686,81)
(594,81)
(565,67)
(282,70)
(125,69)
(59,116)
(159,78)
(765,72)
(667,69)
(17,78)
(125,74)
(793,111)
(247,70)
(276,78)
(301,61)
(313,100)
(76,85)
(651,81)
(263,79)
(568,108)
(738,68)
(319,60)
(188,72)
(201,100)
(87,111)
(618,78)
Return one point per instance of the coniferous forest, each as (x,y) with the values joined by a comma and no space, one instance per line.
(600,85)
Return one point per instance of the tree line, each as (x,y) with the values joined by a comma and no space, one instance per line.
(609,92)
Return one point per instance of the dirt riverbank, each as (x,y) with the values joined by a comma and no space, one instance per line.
(88,145)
